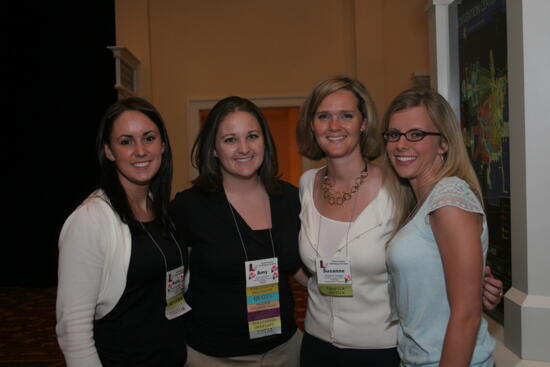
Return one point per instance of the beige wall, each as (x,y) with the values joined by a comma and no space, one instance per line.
(214,48)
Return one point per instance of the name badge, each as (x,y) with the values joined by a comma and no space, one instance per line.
(262,297)
(175,303)
(334,276)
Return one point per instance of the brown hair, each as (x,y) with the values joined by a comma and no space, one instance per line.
(202,155)
(109,180)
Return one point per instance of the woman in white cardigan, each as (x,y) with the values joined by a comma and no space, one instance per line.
(347,218)
(121,268)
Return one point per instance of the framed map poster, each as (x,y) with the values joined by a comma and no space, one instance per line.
(482,53)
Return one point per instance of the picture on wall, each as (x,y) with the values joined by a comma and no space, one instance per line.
(485,120)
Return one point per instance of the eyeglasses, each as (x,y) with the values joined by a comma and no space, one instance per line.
(411,135)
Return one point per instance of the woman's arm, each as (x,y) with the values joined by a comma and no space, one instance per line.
(301,277)
(457,233)
(80,269)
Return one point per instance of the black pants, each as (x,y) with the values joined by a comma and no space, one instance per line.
(317,353)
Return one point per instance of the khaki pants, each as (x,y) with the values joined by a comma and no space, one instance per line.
(284,355)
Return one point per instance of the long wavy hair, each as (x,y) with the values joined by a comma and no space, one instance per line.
(456,161)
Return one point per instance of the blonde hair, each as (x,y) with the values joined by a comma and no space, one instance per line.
(456,161)
(371,143)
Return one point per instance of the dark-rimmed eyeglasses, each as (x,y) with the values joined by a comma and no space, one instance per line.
(413,135)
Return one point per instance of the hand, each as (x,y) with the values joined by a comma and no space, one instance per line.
(492,290)
(301,277)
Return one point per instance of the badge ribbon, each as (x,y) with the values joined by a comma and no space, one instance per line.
(334,276)
(262,297)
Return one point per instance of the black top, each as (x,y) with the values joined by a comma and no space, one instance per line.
(136,331)
(217,325)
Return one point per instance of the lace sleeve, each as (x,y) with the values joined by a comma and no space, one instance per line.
(452,191)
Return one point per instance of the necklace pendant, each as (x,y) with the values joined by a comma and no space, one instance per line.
(339,198)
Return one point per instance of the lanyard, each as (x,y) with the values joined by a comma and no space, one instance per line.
(262,289)
(347,230)
(239,231)
(160,250)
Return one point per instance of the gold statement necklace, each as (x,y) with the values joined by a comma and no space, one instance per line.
(340,197)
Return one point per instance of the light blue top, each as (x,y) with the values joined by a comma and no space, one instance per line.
(418,281)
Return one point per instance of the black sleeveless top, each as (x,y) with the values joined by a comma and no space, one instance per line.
(136,331)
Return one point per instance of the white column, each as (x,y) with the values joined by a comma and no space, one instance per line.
(525,339)
(527,303)
(443,44)
(440,64)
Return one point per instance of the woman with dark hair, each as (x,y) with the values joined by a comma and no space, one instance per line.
(242,225)
(121,268)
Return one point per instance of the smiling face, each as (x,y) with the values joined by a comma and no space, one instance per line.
(135,146)
(337,125)
(239,146)
(419,161)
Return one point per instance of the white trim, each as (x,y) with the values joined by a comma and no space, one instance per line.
(123,55)
(443,48)
(439,46)
(503,356)
(527,303)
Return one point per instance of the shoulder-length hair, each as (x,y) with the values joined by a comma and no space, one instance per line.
(208,165)
(456,161)
(109,181)
(371,143)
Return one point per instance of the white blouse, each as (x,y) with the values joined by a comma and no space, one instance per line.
(364,320)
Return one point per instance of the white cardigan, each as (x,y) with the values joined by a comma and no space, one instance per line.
(361,321)
(94,255)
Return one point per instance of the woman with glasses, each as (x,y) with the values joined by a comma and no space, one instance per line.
(347,219)
(438,247)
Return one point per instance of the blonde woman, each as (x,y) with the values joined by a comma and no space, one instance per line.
(436,257)
(347,217)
